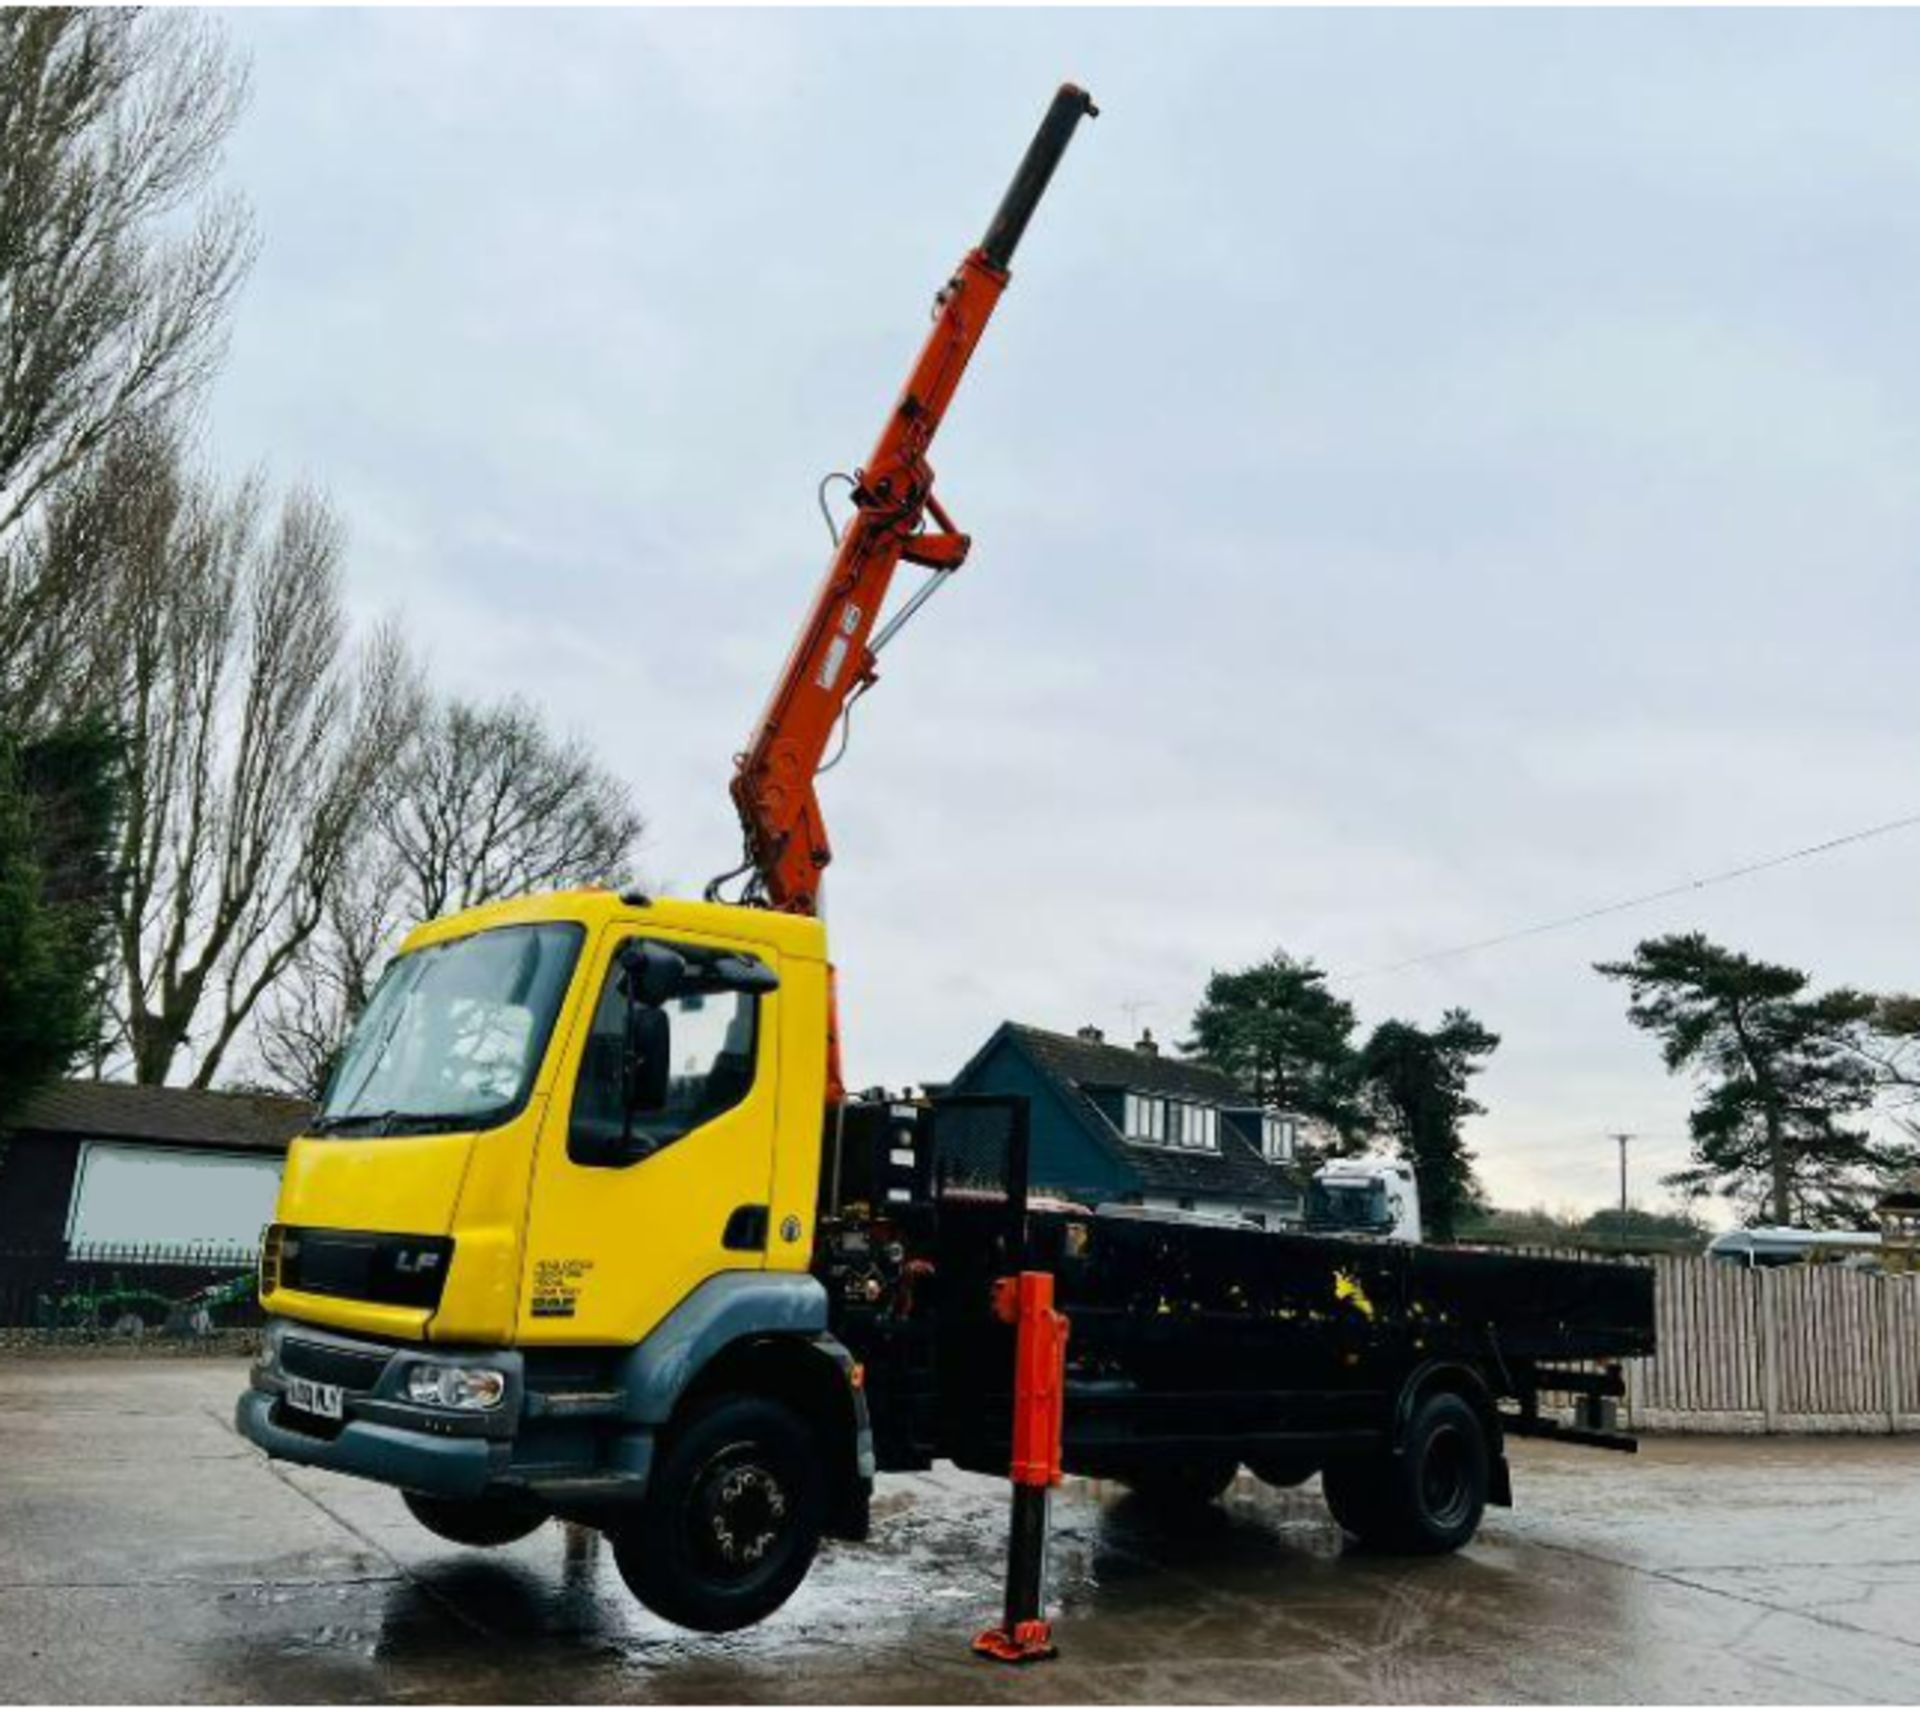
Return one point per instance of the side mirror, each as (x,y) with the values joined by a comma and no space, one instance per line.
(651,973)
(648,1057)
(746,973)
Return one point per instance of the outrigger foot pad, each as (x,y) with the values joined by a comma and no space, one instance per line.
(1030,1641)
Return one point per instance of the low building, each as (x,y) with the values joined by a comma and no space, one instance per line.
(92,1165)
(1127,1124)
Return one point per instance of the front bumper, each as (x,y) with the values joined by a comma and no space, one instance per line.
(455,1467)
(572,1430)
(383,1435)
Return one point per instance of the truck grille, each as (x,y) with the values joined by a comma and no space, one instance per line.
(384,1269)
(349,1367)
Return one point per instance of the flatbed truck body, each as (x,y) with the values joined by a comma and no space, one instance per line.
(1197,1345)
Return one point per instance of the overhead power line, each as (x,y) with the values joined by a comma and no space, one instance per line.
(1642,901)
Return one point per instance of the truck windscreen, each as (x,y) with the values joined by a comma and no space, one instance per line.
(1361,1206)
(453,1034)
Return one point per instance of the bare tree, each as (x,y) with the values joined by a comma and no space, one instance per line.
(304,1019)
(57,580)
(254,738)
(116,265)
(493,805)
(485,803)
(116,271)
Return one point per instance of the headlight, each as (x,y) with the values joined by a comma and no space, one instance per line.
(460,1388)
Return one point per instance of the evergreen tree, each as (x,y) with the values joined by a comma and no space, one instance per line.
(57,801)
(1779,1072)
(1278,1030)
(1893,1052)
(1416,1084)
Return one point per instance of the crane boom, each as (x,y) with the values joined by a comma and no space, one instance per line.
(896,517)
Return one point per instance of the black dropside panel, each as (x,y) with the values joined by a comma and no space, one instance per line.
(1542,1308)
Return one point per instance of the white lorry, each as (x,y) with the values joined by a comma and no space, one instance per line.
(1366,1196)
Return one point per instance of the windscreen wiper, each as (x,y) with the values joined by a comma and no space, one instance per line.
(390,1121)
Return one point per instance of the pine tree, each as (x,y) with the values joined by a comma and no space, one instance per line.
(1416,1083)
(1779,1070)
(1278,1030)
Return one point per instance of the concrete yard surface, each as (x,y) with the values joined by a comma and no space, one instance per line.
(148,1554)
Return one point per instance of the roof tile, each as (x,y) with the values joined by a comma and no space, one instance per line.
(174,1115)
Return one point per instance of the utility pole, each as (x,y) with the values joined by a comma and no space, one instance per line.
(1621,1139)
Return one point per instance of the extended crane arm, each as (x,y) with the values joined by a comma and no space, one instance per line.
(832,661)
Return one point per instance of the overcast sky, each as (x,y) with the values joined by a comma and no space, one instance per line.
(1432,473)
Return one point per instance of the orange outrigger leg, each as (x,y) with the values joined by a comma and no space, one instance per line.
(1039,1399)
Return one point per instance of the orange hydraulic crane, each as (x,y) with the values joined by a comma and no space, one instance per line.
(833,660)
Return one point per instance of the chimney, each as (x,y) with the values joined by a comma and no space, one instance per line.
(1092,1034)
(1146,1044)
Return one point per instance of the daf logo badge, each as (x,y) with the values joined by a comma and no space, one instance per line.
(790,1230)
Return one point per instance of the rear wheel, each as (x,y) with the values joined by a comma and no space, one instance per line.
(1352,1490)
(1181,1483)
(1428,1498)
(482,1523)
(731,1519)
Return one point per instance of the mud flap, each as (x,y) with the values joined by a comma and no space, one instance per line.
(851,1516)
(1499,1482)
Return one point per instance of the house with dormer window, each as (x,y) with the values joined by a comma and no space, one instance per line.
(1128,1124)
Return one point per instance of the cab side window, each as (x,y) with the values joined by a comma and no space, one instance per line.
(715,1038)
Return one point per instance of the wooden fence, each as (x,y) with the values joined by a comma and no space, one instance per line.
(1804,1348)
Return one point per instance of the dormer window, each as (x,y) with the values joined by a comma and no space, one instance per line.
(1146,1119)
(1193,1127)
(1171,1121)
(1278,1136)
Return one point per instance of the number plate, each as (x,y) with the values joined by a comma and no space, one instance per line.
(320,1399)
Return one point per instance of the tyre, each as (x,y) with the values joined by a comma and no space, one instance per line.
(480,1523)
(1428,1498)
(1280,1471)
(731,1519)
(1352,1490)
(1181,1483)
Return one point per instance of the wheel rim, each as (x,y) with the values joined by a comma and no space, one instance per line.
(740,1515)
(1446,1483)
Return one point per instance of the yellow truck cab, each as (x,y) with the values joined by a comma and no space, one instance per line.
(544,1213)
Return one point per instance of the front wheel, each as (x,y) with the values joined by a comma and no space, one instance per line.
(731,1519)
(481,1523)
(1428,1498)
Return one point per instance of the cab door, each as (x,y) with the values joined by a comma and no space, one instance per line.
(614,1242)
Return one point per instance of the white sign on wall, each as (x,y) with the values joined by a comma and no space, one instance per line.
(145,1196)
